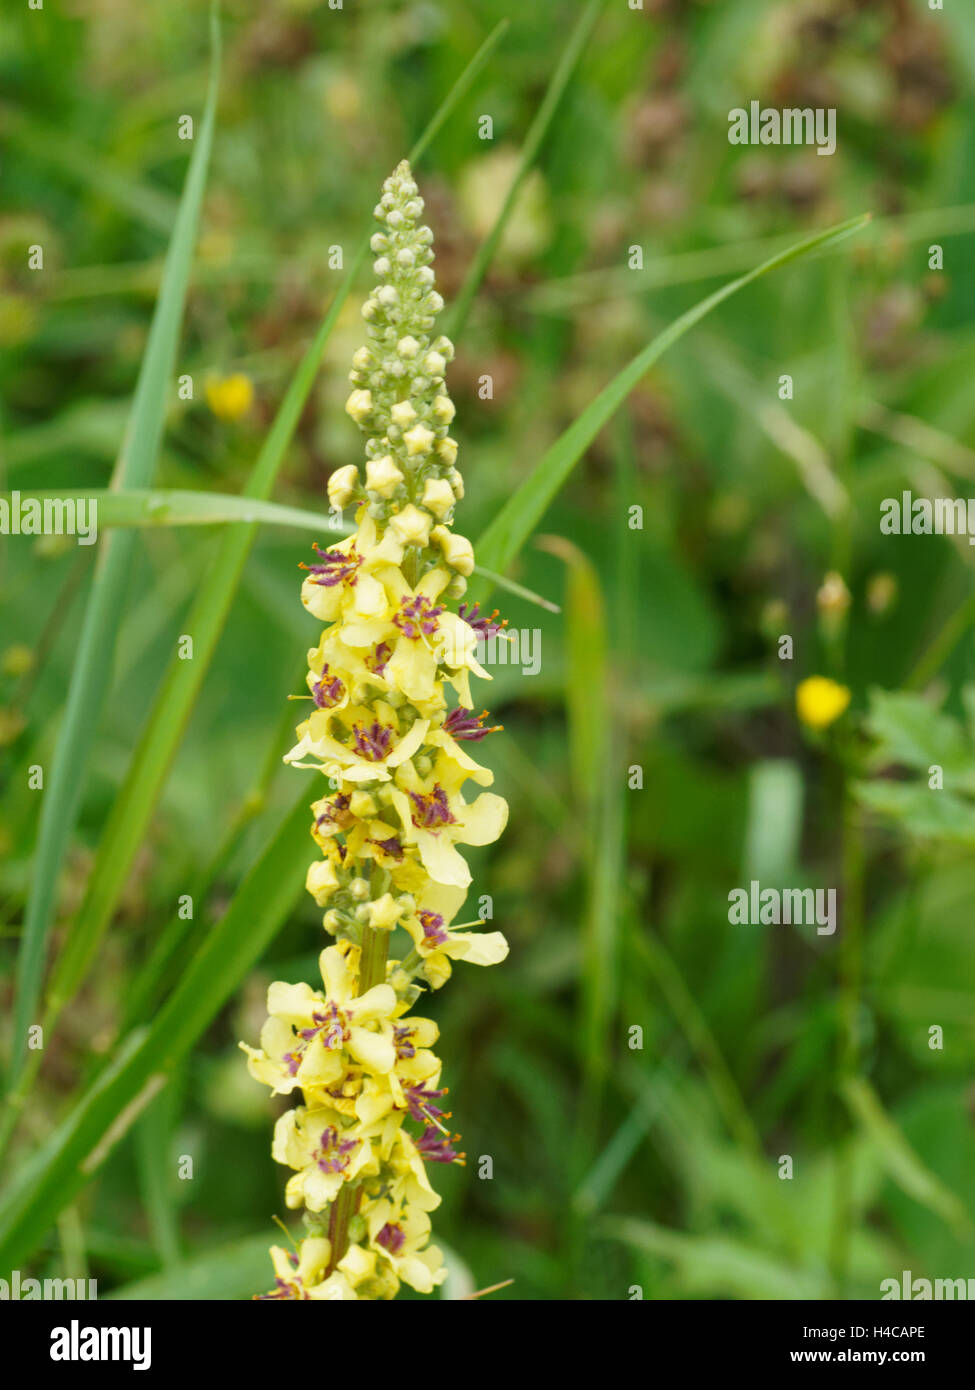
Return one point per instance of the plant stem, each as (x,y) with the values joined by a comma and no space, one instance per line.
(372,963)
(942,646)
(848,1041)
(372,971)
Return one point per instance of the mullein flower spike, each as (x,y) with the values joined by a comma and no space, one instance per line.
(388,828)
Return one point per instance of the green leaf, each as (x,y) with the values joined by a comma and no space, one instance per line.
(148,1057)
(92,670)
(229,1272)
(900,1160)
(913,732)
(506,535)
(716,1266)
(928,814)
(153,1134)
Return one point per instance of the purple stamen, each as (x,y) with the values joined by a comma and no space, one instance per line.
(460,724)
(434,931)
(418,617)
(372,743)
(392,847)
(333,1152)
(433,1147)
(484,627)
(431,809)
(420,1103)
(327,690)
(377,662)
(336,567)
(392,1238)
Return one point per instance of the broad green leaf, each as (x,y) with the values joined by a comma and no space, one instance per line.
(913,732)
(899,1158)
(927,814)
(237,1270)
(148,1057)
(96,644)
(717,1266)
(506,535)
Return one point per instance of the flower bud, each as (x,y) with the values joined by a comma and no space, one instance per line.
(438,497)
(321,881)
(383,476)
(418,440)
(359,406)
(384,913)
(343,486)
(457,550)
(402,414)
(411,526)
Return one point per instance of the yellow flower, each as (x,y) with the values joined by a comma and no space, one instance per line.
(399,1236)
(324,1152)
(230,397)
(374,742)
(342,581)
(294,1273)
(299,1276)
(310,1039)
(436,818)
(417,634)
(820,701)
(416,1067)
(437,942)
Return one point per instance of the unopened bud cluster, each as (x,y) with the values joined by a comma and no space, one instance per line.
(399,398)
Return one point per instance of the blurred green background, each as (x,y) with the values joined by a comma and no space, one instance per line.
(621,1158)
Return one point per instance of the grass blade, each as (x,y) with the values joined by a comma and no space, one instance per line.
(92,668)
(506,535)
(175,507)
(149,1056)
(457,315)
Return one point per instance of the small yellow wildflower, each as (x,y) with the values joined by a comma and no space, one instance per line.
(820,701)
(230,397)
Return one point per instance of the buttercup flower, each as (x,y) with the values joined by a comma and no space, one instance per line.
(820,701)
(229,397)
(389,723)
